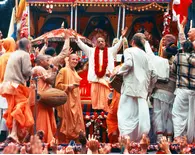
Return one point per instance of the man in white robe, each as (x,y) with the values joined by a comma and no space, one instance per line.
(98,69)
(138,75)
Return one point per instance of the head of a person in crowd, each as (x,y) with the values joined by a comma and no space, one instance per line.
(101,43)
(191,34)
(144,142)
(9,45)
(24,44)
(73,60)
(168,39)
(147,35)
(43,60)
(50,51)
(188,47)
(138,40)
(171,50)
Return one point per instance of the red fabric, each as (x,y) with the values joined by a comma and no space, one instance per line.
(101,72)
(182,8)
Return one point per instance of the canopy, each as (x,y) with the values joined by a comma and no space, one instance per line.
(58,36)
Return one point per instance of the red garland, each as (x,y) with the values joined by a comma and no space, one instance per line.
(101,73)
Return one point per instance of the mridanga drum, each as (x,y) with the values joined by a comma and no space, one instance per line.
(52,97)
(116,82)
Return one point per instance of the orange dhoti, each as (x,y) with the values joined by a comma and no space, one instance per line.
(99,96)
(18,106)
(45,121)
(112,121)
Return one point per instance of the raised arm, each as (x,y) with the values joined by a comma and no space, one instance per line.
(115,49)
(85,48)
(128,63)
(42,51)
(64,52)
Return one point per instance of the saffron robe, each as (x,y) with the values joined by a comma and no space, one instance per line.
(71,112)
(45,119)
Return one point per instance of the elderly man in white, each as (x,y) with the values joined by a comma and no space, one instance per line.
(138,75)
(101,64)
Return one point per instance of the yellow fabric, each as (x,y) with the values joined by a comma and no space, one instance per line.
(71,112)
(21,8)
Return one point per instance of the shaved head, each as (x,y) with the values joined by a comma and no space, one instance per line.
(24,44)
(41,57)
(73,55)
(73,60)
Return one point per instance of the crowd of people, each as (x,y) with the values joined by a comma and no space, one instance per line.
(166,81)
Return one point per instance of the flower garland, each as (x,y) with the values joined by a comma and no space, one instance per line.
(166,23)
(98,72)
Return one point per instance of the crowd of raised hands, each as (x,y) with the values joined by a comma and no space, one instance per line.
(93,146)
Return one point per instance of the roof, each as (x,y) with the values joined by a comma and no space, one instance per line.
(145,1)
(99,1)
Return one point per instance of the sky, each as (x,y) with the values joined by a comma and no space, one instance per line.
(5,16)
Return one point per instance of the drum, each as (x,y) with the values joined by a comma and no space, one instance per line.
(52,97)
(116,82)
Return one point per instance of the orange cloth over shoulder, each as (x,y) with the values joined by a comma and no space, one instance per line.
(9,45)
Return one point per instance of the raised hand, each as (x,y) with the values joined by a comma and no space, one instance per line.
(93,144)
(124,32)
(46,41)
(23,150)
(69,150)
(36,51)
(70,51)
(164,145)
(36,145)
(11,149)
(75,35)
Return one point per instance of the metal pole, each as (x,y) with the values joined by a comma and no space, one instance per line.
(28,8)
(119,19)
(35,108)
(123,23)
(75,26)
(71,17)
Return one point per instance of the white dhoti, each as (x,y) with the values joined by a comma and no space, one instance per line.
(183,113)
(162,112)
(3,108)
(133,117)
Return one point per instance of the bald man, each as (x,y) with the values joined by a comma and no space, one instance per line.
(45,120)
(101,63)
(70,113)
(18,70)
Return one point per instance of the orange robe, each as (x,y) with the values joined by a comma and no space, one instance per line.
(9,46)
(112,121)
(18,107)
(45,119)
(71,112)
